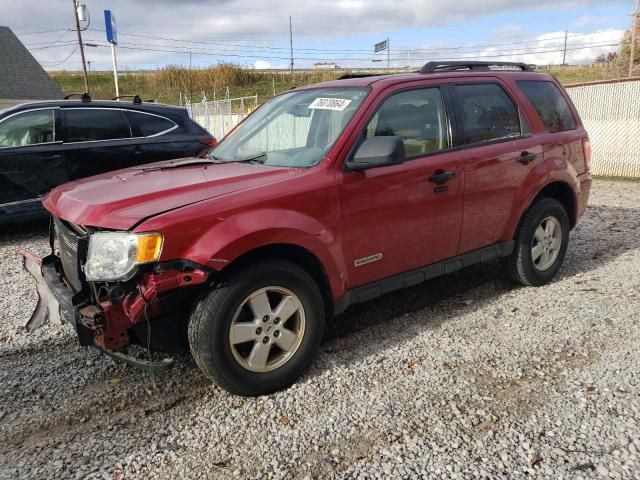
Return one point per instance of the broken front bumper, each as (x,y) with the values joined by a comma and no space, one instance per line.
(55,300)
(103,322)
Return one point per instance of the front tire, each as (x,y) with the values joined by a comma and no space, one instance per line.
(258,331)
(540,244)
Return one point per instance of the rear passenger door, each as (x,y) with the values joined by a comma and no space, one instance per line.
(563,139)
(498,151)
(96,140)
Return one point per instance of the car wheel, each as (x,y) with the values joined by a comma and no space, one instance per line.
(540,244)
(258,331)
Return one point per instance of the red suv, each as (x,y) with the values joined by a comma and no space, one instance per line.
(326,196)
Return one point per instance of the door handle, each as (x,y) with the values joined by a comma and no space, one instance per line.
(526,157)
(441,176)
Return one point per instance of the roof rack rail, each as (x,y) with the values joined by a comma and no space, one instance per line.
(85,97)
(136,98)
(453,66)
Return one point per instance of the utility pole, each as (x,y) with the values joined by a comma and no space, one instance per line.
(564,53)
(290,46)
(388,47)
(76,5)
(632,53)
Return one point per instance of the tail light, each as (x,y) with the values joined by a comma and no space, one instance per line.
(586,148)
(212,142)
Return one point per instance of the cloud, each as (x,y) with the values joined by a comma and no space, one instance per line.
(243,31)
(261,65)
(548,48)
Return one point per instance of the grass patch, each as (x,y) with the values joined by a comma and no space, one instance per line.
(166,84)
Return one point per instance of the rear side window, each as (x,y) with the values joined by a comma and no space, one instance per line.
(144,125)
(552,107)
(487,113)
(90,124)
(417,117)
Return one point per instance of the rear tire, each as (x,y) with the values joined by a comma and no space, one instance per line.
(540,244)
(238,339)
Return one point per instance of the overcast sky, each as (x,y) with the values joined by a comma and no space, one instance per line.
(154,33)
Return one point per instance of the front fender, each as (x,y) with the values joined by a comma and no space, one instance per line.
(232,237)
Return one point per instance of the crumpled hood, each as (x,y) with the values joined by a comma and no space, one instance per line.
(121,199)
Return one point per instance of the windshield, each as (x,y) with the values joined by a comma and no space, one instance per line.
(295,129)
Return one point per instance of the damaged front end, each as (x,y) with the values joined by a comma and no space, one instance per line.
(145,309)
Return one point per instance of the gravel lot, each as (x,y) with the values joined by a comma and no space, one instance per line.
(462,377)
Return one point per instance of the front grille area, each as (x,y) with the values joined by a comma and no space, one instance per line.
(72,248)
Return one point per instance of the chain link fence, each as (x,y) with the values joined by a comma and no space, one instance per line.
(610,112)
(218,117)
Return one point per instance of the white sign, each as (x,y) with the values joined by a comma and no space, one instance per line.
(338,104)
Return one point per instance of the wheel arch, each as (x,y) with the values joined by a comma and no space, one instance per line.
(558,189)
(562,192)
(297,254)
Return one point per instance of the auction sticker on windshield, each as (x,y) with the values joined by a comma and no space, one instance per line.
(338,104)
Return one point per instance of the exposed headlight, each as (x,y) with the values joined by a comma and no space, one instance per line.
(114,255)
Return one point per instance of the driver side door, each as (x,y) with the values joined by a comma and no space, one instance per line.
(397,218)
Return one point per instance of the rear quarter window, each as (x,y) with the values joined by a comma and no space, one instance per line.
(550,104)
(145,125)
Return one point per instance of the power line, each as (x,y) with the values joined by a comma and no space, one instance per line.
(523,50)
(42,31)
(364,51)
(51,64)
(468,54)
(62,44)
(168,49)
(48,44)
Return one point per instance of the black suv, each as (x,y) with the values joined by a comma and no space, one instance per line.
(45,144)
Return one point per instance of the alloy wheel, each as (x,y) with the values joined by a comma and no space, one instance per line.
(546,243)
(267,329)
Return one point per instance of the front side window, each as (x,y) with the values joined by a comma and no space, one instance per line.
(486,113)
(90,124)
(417,117)
(28,128)
(295,129)
(144,125)
(552,107)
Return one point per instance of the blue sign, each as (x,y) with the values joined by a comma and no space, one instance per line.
(110,24)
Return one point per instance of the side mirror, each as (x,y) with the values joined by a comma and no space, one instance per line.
(377,152)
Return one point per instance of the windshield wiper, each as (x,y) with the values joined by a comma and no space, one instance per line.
(180,163)
(249,158)
(203,161)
